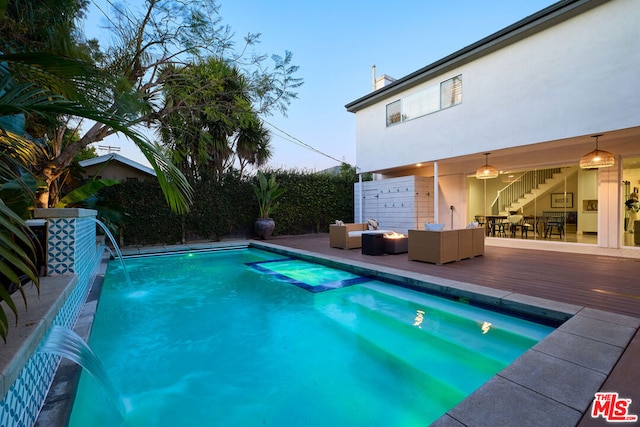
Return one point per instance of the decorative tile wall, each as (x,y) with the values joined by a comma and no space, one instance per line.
(71,249)
(61,242)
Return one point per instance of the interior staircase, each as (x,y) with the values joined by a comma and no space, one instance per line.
(527,186)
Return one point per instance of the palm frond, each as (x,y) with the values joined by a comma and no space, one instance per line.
(85,191)
(15,261)
(73,79)
(29,99)
(176,188)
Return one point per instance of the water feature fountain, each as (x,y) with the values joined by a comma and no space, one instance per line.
(72,261)
(64,342)
(108,233)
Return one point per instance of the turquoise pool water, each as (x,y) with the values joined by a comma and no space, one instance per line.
(250,338)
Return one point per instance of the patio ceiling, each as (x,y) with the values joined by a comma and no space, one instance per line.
(625,142)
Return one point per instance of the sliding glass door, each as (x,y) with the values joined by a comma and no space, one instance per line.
(554,204)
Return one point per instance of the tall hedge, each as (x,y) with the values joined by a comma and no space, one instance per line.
(147,218)
(312,202)
(228,208)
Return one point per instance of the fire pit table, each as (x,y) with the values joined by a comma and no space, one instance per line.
(395,243)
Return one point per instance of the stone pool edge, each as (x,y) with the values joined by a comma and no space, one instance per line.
(552,384)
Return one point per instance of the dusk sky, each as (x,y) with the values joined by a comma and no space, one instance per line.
(335,43)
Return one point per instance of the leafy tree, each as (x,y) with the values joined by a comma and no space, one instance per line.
(252,145)
(165,55)
(61,67)
(216,124)
(86,154)
(165,37)
(73,79)
(45,26)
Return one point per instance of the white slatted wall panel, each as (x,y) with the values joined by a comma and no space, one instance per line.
(398,204)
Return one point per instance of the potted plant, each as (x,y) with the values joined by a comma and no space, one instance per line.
(267,192)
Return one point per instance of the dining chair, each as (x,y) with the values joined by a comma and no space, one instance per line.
(558,223)
(501,226)
(515,221)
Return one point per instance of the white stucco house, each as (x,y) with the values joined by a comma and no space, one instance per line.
(533,95)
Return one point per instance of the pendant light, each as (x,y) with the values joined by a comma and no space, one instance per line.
(597,158)
(487,171)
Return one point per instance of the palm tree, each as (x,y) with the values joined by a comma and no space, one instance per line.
(212,123)
(252,145)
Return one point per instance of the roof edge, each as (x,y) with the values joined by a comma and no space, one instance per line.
(117,157)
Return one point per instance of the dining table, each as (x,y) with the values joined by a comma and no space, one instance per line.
(490,223)
(538,223)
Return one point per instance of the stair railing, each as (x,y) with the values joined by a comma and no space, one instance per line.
(521,185)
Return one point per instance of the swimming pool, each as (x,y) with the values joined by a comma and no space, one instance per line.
(248,337)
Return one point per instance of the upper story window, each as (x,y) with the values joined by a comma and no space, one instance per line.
(451,92)
(429,100)
(394,110)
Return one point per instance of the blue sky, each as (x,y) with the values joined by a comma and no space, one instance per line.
(335,43)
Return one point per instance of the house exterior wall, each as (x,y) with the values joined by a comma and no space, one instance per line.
(532,95)
(452,201)
(609,207)
(577,77)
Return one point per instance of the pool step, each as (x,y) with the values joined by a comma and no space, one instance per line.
(469,328)
(431,383)
(436,358)
(438,333)
(503,323)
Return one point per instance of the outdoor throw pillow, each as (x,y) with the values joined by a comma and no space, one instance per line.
(373,224)
(338,222)
(433,227)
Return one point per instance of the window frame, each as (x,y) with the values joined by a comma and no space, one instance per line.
(393,116)
(412,106)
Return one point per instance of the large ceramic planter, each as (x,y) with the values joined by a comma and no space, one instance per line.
(264,228)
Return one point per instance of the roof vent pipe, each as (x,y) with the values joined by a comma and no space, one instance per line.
(373,78)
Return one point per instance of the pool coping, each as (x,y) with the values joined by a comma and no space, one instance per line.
(552,384)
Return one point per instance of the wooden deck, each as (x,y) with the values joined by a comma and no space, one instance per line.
(598,281)
(603,282)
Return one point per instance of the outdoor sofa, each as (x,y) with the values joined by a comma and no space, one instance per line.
(440,247)
(349,236)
